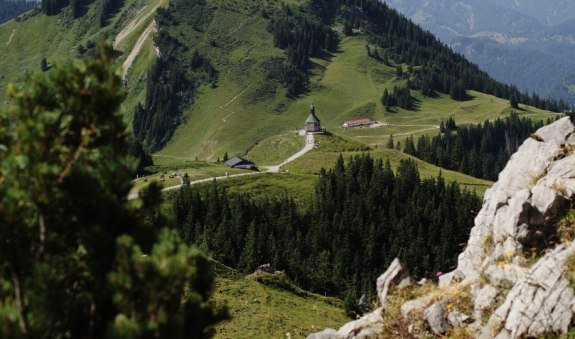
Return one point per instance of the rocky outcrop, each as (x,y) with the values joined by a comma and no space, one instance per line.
(371,324)
(511,279)
(518,210)
(436,317)
(395,272)
(541,301)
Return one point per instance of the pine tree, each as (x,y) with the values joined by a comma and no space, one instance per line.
(398,71)
(44,65)
(375,54)
(513,102)
(386,59)
(385,98)
(76,259)
(390,143)
(347,28)
(409,147)
(249,253)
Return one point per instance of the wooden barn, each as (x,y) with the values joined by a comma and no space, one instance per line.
(241,163)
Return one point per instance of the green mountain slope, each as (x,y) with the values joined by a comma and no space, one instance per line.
(269,306)
(245,107)
(59,39)
(11,9)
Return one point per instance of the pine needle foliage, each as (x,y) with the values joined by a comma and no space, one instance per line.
(77,259)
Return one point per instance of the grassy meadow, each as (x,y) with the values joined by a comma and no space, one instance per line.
(246,110)
(269,306)
(57,38)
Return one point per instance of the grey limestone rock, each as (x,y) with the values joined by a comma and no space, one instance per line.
(436,317)
(328,333)
(394,272)
(536,182)
(458,319)
(541,302)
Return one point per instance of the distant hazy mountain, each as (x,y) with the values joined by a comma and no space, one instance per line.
(530,43)
(9,9)
(548,12)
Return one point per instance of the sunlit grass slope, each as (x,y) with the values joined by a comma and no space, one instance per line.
(269,306)
(245,108)
(23,44)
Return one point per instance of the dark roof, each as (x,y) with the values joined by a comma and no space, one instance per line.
(235,161)
(312,119)
(246,167)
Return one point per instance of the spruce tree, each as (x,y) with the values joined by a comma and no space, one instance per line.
(249,253)
(398,71)
(390,143)
(513,102)
(409,147)
(44,65)
(375,53)
(385,97)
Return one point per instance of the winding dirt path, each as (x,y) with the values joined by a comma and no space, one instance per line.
(11,36)
(137,48)
(223,107)
(238,27)
(135,23)
(309,145)
(397,134)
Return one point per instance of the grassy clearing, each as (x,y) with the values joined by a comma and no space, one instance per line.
(275,149)
(300,176)
(263,308)
(196,170)
(314,161)
(344,85)
(300,187)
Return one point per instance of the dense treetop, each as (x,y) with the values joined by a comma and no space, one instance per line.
(362,217)
(480,150)
(76,258)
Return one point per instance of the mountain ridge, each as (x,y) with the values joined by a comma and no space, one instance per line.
(236,104)
(518,38)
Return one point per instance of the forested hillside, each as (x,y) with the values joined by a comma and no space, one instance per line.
(363,215)
(196,53)
(104,9)
(9,9)
(481,150)
(526,43)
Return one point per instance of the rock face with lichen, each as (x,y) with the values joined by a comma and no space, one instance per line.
(513,278)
